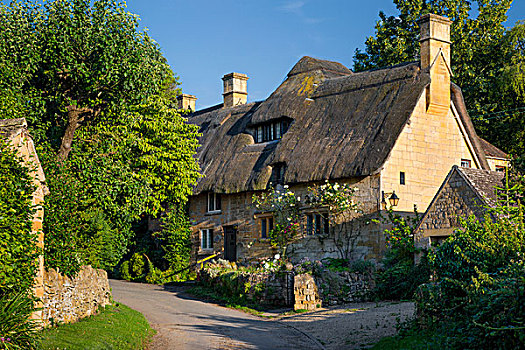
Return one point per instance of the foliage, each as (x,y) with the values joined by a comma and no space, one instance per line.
(479,291)
(285,207)
(487,59)
(17,330)
(89,213)
(99,99)
(163,146)
(338,201)
(400,276)
(115,327)
(176,240)
(17,243)
(68,79)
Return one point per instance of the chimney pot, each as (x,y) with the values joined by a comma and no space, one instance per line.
(186,101)
(235,89)
(435,57)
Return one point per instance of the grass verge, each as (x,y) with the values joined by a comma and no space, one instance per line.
(115,327)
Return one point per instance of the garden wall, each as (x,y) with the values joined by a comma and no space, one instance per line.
(269,288)
(303,289)
(67,300)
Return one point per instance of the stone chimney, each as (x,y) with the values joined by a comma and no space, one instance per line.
(186,101)
(235,89)
(435,56)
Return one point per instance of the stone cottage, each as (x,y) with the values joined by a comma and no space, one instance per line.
(398,129)
(465,192)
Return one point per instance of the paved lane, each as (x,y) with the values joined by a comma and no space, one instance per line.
(185,323)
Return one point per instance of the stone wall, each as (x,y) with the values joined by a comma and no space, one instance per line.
(237,211)
(15,131)
(267,288)
(66,300)
(306,293)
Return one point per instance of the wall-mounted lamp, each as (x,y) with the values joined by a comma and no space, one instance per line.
(393,199)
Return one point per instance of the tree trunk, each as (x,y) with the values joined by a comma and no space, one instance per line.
(73,115)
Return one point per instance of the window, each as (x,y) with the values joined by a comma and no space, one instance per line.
(501,168)
(214,202)
(465,163)
(207,239)
(277,174)
(271,131)
(266,226)
(317,224)
(402,178)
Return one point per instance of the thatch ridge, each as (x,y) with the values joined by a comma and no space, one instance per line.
(308,64)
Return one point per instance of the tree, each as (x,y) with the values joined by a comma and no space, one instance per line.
(99,99)
(487,60)
(82,62)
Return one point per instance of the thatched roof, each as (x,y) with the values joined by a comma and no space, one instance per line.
(344,125)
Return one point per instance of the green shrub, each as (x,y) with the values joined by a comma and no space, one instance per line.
(176,239)
(479,294)
(400,277)
(18,250)
(17,331)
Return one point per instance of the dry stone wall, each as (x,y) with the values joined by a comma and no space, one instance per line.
(306,293)
(67,300)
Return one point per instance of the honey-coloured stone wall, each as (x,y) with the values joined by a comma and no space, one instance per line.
(306,293)
(425,151)
(238,211)
(66,300)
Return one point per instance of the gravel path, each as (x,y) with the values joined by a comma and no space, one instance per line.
(183,322)
(352,326)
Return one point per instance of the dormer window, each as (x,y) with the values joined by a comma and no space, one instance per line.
(270,131)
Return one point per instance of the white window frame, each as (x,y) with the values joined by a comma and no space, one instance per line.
(215,208)
(206,239)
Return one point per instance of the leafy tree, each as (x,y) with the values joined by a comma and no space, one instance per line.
(99,98)
(83,60)
(17,242)
(487,60)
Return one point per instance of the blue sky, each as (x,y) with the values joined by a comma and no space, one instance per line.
(203,40)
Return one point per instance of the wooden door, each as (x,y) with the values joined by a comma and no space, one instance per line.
(230,243)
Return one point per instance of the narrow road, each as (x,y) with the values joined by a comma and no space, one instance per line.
(184,323)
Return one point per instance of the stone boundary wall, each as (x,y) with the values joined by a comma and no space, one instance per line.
(67,300)
(269,288)
(306,293)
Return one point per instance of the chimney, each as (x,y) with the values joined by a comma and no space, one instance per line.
(186,101)
(435,56)
(235,89)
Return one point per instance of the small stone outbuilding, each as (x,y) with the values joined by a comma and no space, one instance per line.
(465,192)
